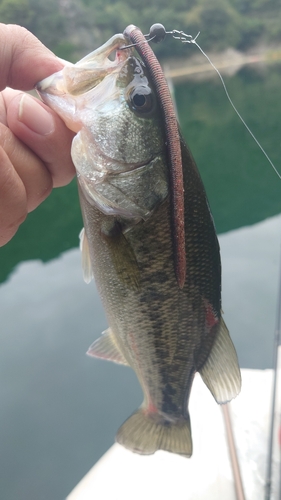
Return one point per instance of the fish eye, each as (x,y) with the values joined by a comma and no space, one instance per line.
(142,99)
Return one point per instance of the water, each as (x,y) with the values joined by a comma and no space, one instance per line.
(241,185)
(60,409)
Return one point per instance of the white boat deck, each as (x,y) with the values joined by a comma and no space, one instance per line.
(122,475)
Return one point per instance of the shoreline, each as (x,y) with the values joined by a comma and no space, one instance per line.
(227,62)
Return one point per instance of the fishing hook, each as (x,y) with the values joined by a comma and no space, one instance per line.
(157,33)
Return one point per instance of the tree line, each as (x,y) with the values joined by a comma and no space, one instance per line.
(71,28)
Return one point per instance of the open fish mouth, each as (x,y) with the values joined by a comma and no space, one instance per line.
(66,91)
(76,79)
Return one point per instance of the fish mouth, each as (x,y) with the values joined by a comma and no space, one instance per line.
(76,79)
(66,90)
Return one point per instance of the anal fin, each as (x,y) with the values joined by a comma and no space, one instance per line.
(221,372)
(105,347)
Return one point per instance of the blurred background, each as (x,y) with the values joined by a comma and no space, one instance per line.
(59,409)
(72,28)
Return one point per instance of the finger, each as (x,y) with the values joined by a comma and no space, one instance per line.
(43,132)
(13,201)
(3,111)
(30,169)
(24,60)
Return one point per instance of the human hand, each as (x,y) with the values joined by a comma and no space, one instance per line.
(34,142)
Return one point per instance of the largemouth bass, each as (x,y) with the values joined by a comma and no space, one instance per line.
(165,331)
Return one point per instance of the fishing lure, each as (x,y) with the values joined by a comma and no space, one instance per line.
(173,140)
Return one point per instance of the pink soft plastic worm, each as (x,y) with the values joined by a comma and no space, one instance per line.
(135,36)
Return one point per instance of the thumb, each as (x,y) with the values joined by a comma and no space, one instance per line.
(42,130)
(24,60)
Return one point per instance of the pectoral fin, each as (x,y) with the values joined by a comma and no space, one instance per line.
(86,260)
(105,347)
(221,372)
(122,255)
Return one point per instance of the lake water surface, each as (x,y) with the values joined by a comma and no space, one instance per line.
(59,409)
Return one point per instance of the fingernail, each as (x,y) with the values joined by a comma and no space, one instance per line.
(34,116)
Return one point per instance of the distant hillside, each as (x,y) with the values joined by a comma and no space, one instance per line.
(72,28)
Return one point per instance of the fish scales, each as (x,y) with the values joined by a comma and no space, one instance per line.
(164,332)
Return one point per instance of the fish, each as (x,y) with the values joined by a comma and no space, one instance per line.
(163,330)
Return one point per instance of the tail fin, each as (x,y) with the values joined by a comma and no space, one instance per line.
(146,433)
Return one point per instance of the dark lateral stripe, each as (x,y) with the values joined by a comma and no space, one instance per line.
(174,149)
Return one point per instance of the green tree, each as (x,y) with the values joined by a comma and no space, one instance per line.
(15,12)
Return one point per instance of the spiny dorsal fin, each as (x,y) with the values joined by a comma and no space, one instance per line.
(105,347)
(221,372)
(86,260)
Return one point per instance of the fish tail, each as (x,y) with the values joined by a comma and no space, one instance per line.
(146,433)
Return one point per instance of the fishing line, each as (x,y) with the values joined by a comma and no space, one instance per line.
(193,40)
(158,32)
